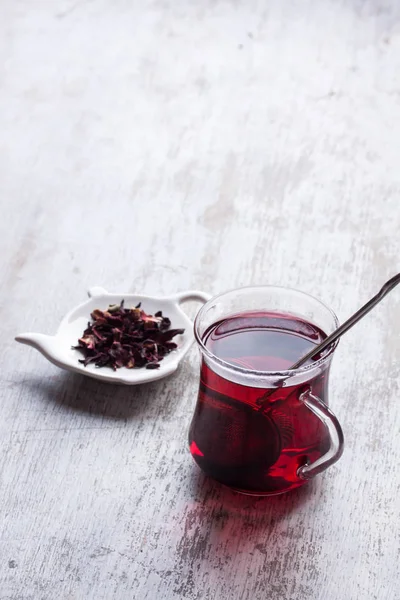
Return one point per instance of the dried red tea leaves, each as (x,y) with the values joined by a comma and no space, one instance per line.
(126,337)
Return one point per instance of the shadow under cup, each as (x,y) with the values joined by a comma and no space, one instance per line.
(264,432)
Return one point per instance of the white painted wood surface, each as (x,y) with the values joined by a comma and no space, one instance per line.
(158,146)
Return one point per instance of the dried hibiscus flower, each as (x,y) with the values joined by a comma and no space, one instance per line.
(126,337)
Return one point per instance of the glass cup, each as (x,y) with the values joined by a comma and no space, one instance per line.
(264,432)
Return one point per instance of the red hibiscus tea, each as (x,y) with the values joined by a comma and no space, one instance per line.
(246,434)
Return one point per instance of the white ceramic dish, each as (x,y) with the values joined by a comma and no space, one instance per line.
(58,348)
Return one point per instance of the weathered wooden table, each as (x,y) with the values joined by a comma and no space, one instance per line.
(158,146)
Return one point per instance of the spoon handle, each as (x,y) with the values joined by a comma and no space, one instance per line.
(386,288)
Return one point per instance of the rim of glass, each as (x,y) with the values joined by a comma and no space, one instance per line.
(242,370)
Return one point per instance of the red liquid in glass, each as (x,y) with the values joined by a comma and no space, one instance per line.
(233,441)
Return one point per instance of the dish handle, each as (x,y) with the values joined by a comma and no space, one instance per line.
(195,295)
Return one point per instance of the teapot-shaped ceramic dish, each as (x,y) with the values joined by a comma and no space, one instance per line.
(58,349)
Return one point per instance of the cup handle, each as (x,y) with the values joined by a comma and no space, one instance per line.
(320,410)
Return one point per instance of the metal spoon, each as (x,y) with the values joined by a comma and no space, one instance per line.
(386,288)
(389,285)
